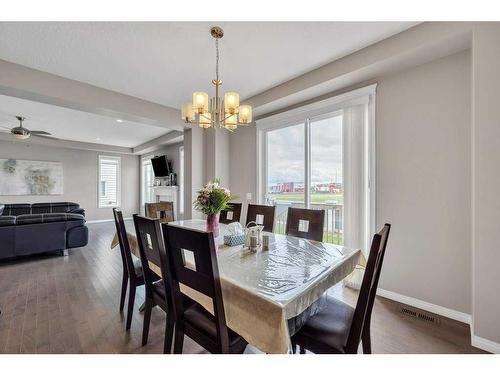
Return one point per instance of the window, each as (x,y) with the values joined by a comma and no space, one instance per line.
(321,156)
(181,180)
(285,171)
(109,181)
(147,181)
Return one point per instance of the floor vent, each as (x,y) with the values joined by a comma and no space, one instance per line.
(420,315)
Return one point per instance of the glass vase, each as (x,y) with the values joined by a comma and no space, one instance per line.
(213,224)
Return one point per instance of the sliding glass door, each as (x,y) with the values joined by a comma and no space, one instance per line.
(322,156)
(326,187)
(285,171)
(304,169)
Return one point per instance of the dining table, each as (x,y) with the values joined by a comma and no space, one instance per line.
(264,290)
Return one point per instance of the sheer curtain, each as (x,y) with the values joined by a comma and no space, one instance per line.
(356,197)
(359,204)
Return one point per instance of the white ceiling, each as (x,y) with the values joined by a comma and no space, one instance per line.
(75,125)
(166,62)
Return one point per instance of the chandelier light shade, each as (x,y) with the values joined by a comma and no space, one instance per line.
(215,112)
(231,122)
(188,112)
(205,120)
(231,102)
(200,102)
(245,114)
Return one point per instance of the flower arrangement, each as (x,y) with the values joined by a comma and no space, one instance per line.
(213,198)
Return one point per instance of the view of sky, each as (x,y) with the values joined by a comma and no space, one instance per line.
(286,152)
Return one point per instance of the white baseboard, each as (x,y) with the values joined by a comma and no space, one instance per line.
(485,344)
(105,220)
(436,309)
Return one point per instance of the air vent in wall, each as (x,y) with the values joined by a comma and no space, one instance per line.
(420,315)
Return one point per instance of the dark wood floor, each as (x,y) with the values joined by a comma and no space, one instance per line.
(69,304)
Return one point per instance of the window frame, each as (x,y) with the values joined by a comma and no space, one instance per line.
(180,181)
(144,159)
(312,112)
(118,181)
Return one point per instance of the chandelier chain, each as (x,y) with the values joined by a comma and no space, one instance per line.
(217,59)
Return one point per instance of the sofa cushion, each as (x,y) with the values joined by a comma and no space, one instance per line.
(48,218)
(80,211)
(54,207)
(16,209)
(7,220)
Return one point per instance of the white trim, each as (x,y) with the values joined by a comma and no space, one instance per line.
(485,344)
(307,163)
(372,171)
(261,166)
(358,96)
(105,220)
(427,306)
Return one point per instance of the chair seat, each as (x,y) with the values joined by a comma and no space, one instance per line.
(159,289)
(204,322)
(328,330)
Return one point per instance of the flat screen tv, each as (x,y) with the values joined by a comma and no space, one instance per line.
(161,167)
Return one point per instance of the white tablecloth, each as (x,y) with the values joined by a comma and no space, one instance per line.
(263,290)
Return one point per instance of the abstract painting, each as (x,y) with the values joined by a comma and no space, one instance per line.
(30,177)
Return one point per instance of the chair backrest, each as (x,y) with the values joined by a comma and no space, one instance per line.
(128,263)
(160,210)
(266,211)
(235,209)
(305,223)
(193,262)
(366,298)
(152,249)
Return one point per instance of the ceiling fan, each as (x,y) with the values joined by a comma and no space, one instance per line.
(21,132)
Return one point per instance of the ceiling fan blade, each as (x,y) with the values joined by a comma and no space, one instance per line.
(4,127)
(44,136)
(38,132)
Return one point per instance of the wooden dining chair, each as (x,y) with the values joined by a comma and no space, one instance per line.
(200,273)
(132,267)
(231,214)
(339,328)
(267,212)
(160,210)
(158,291)
(305,223)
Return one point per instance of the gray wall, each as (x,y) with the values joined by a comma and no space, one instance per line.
(243,165)
(79,176)
(486,185)
(172,152)
(194,167)
(423,179)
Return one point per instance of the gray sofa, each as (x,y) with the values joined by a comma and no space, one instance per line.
(42,227)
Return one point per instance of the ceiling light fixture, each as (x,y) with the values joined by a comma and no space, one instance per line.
(217,112)
(119,120)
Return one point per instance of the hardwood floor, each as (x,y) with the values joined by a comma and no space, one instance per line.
(69,304)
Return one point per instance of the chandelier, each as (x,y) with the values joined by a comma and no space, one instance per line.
(216,113)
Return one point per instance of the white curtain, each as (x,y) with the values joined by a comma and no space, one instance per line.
(354,129)
(357,202)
